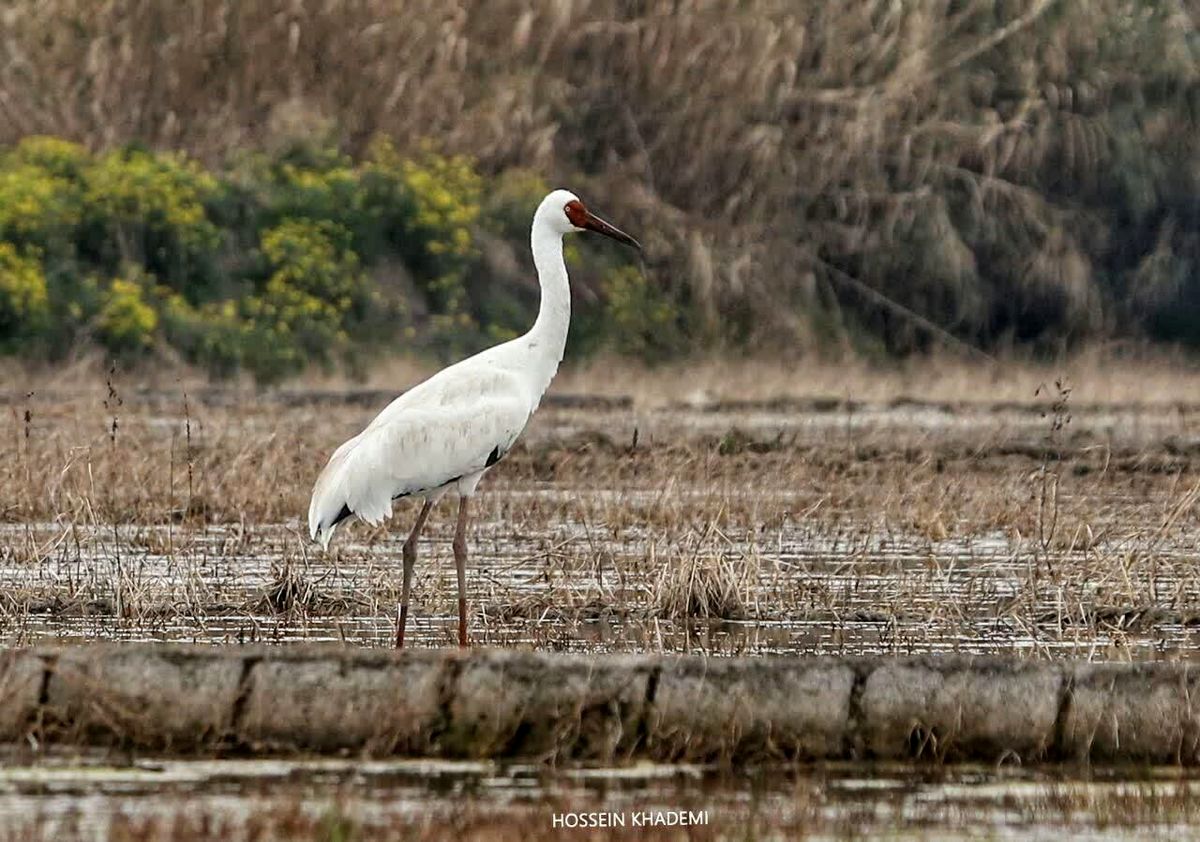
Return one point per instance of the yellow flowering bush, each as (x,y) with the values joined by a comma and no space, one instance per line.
(137,187)
(282,259)
(36,206)
(59,157)
(640,320)
(126,323)
(435,202)
(24,303)
(446,194)
(320,194)
(311,183)
(316,287)
(151,208)
(315,259)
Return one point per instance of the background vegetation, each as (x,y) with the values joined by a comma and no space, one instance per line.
(261,185)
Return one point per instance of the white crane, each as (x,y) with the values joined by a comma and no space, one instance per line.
(445,432)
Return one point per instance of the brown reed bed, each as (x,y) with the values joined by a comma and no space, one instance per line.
(907,172)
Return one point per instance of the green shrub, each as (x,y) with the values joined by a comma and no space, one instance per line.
(126,323)
(641,320)
(315,185)
(213,335)
(37,207)
(331,194)
(314,293)
(24,303)
(510,201)
(281,261)
(61,158)
(315,259)
(444,195)
(150,209)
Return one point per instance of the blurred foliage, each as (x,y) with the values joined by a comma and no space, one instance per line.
(639,320)
(36,207)
(60,158)
(24,304)
(314,295)
(126,323)
(149,209)
(437,239)
(803,174)
(274,263)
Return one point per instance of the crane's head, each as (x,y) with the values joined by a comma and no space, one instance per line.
(564,213)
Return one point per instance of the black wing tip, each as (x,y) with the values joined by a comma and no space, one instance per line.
(342,515)
(494,457)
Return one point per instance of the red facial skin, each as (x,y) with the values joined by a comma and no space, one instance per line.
(581,217)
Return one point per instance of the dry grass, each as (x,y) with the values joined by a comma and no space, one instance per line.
(711,577)
(1109,375)
(862,523)
(1099,376)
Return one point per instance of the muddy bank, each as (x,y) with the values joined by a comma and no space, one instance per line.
(491,704)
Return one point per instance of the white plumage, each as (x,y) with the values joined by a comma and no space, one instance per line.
(437,435)
(447,431)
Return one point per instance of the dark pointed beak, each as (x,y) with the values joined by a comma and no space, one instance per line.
(595,223)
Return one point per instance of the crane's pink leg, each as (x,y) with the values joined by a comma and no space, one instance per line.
(460,562)
(410,561)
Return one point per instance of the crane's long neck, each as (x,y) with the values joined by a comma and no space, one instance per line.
(548,336)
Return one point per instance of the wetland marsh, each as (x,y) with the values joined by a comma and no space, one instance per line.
(1029,522)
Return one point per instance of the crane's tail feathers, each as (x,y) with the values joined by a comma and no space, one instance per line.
(321,529)
(324,536)
(349,487)
(323,519)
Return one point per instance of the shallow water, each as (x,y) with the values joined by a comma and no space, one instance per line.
(803,589)
(586,573)
(90,798)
